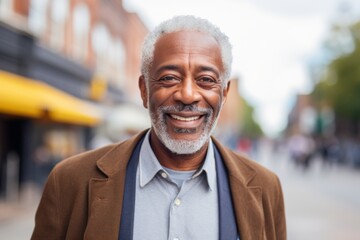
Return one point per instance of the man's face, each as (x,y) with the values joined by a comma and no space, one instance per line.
(185,92)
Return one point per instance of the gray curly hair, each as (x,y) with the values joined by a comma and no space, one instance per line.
(191,23)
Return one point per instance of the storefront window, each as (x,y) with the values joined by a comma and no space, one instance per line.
(53,144)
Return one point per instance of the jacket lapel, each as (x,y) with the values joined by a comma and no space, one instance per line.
(248,210)
(247,198)
(106,193)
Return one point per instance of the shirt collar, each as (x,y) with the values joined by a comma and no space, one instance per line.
(149,165)
(209,167)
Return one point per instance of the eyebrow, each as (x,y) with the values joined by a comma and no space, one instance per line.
(167,67)
(177,68)
(209,69)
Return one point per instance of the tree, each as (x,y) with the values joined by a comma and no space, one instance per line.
(340,87)
(250,128)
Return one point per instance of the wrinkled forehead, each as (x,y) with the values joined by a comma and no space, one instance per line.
(188,43)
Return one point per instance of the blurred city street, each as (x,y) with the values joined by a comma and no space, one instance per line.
(69,74)
(17,218)
(322,203)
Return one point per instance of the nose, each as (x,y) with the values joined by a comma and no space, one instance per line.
(188,92)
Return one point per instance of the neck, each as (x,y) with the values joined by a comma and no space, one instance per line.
(179,162)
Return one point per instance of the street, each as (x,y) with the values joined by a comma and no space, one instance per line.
(322,203)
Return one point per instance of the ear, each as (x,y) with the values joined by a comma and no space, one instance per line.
(143,91)
(226,91)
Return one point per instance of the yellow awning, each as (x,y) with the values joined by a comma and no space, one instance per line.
(26,97)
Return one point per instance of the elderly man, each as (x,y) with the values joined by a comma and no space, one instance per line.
(173,181)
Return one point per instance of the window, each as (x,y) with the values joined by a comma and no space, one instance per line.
(81,25)
(6,8)
(37,16)
(119,62)
(110,54)
(100,41)
(59,13)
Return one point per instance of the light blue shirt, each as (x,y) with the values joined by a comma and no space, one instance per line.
(172,209)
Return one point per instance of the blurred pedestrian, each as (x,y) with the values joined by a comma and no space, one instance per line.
(330,150)
(173,181)
(302,149)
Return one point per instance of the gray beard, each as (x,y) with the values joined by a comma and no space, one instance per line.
(182,146)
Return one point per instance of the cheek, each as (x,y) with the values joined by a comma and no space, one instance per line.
(214,99)
(159,97)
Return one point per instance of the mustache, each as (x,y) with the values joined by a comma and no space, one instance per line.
(185,108)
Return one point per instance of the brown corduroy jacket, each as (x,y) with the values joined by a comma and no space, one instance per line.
(83,196)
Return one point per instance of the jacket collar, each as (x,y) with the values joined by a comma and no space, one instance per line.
(109,164)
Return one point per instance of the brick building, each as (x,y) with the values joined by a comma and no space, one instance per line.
(64,66)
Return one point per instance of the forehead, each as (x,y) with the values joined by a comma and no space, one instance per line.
(188,44)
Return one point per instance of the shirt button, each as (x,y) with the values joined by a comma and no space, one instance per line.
(176,238)
(177,203)
(164,175)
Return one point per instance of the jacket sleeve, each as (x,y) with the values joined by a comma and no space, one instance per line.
(47,218)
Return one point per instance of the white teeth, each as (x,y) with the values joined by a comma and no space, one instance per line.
(186,119)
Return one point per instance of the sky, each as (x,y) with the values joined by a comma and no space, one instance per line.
(273,44)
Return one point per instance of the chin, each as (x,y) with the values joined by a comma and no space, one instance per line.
(183,146)
(190,141)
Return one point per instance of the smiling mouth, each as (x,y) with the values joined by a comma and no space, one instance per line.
(185,119)
(185,124)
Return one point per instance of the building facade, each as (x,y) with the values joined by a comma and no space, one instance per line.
(64,65)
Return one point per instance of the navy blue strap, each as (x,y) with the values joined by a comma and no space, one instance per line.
(227,221)
(128,208)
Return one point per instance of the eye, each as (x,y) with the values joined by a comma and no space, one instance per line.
(169,78)
(207,81)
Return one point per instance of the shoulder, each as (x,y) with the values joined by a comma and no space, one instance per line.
(75,171)
(245,169)
(244,161)
(99,162)
(83,162)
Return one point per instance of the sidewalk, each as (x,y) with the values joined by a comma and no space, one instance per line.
(322,202)
(17,217)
